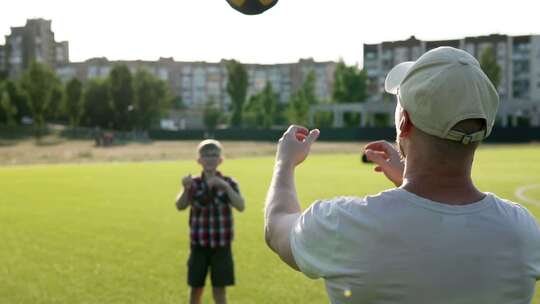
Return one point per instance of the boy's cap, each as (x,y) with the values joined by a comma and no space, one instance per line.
(209,142)
(443,87)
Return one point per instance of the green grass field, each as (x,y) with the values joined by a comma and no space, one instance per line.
(109,233)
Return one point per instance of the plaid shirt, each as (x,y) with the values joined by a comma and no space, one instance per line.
(210,216)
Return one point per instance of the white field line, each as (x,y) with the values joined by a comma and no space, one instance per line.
(520,194)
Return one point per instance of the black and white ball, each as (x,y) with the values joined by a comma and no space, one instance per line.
(252,7)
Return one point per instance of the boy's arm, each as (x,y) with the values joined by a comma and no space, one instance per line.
(237,201)
(183,199)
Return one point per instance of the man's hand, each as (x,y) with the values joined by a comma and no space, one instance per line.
(388,160)
(187,181)
(294,145)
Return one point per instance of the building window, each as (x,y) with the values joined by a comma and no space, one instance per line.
(371,55)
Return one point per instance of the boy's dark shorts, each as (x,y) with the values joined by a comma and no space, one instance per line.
(218,259)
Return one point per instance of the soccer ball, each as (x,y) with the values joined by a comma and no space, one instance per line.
(252,7)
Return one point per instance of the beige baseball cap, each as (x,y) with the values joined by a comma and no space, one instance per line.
(443,87)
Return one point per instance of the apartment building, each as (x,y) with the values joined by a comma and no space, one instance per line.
(195,82)
(517,56)
(199,82)
(33,41)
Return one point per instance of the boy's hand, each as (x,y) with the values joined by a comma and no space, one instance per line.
(216,181)
(186,182)
(294,145)
(388,160)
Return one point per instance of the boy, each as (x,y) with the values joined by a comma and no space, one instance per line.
(210,196)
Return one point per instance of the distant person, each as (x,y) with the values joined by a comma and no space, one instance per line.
(98,136)
(435,238)
(210,196)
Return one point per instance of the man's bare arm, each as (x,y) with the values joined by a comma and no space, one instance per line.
(282,208)
(281,211)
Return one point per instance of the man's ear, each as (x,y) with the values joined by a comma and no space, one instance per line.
(405,124)
(199,160)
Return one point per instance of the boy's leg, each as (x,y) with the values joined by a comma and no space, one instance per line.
(198,263)
(196,295)
(222,272)
(219,294)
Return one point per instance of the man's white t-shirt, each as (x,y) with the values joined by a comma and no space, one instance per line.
(397,247)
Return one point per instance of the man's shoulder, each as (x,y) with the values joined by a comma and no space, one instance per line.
(347,204)
(351,200)
(506,203)
(511,209)
(355,208)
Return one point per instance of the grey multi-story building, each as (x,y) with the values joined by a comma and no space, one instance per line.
(195,82)
(517,56)
(34,41)
(199,82)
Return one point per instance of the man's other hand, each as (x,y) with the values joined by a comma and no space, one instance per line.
(388,160)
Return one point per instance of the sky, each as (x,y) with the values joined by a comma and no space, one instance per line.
(209,30)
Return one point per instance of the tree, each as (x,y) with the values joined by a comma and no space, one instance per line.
(98,110)
(488,63)
(237,90)
(269,101)
(18,99)
(73,102)
(151,99)
(7,108)
(211,114)
(40,85)
(350,84)
(301,100)
(3,113)
(177,103)
(298,109)
(253,112)
(121,93)
(262,107)
(54,110)
(308,89)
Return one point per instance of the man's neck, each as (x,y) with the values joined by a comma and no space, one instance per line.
(450,185)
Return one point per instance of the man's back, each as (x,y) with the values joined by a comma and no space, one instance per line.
(397,247)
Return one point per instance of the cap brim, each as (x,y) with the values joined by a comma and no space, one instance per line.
(396,76)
